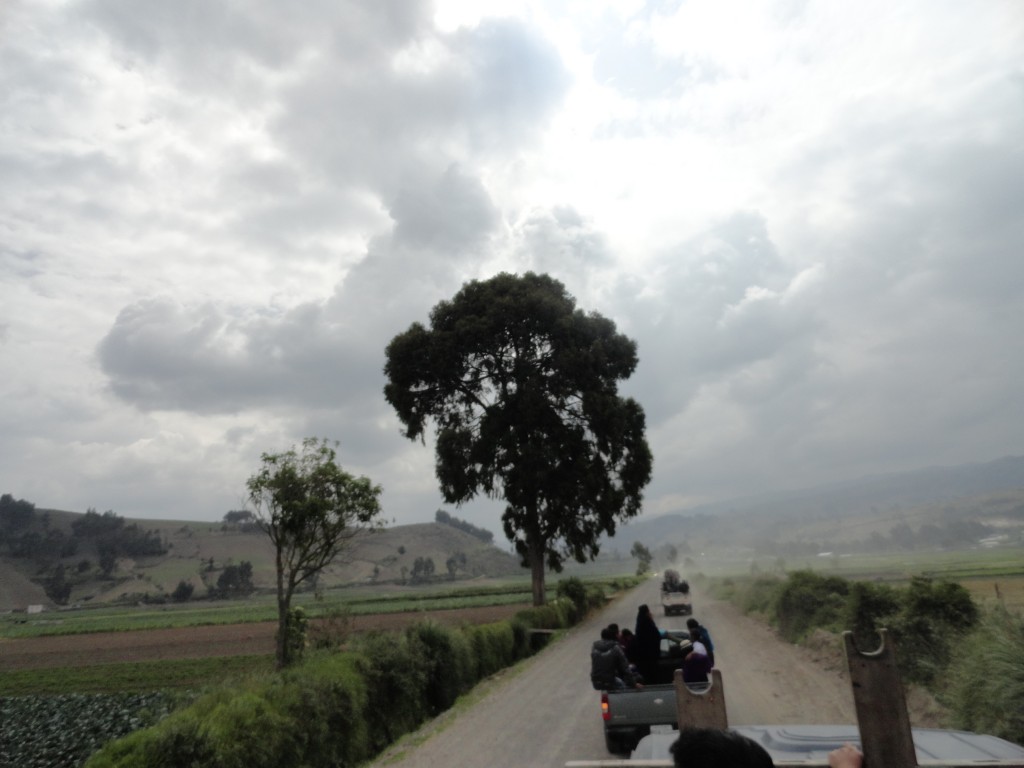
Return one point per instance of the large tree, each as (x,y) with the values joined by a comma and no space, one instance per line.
(522,388)
(311,509)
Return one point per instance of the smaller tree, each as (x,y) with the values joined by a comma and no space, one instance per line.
(183,591)
(643,558)
(455,563)
(311,509)
(236,580)
(237,516)
(423,569)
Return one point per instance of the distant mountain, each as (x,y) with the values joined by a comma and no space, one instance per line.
(875,496)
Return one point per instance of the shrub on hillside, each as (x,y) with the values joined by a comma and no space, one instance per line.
(182,592)
(985,691)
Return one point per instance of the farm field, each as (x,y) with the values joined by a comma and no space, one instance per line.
(262,607)
(116,651)
(101,662)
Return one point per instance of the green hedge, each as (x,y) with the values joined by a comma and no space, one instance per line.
(985,689)
(323,711)
(925,619)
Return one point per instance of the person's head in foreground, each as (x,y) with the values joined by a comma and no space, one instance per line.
(714,748)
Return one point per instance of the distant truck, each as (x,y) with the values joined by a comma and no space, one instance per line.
(643,721)
(675,595)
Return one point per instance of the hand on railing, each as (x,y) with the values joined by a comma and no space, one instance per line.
(847,756)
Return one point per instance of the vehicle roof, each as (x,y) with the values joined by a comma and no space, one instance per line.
(794,743)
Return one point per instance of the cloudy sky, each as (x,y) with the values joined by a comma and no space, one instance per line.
(215,215)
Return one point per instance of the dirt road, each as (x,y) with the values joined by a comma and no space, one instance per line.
(544,712)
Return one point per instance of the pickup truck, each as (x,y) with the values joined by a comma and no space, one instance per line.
(675,595)
(629,713)
(676,603)
(644,722)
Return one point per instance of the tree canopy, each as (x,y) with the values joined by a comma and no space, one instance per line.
(311,509)
(522,388)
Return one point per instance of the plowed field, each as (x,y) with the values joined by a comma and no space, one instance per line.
(201,642)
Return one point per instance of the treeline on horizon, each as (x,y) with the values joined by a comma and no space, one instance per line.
(480,533)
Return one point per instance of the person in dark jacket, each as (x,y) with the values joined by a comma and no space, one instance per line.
(646,645)
(702,635)
(609,669)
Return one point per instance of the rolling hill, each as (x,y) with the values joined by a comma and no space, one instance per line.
(198,553)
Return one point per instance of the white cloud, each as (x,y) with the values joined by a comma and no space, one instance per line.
(215,217)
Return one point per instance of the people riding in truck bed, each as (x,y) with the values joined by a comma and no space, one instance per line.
(646,645)
(609,669)
(695,664)
(704,637)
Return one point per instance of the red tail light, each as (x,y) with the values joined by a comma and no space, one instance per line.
(605,713)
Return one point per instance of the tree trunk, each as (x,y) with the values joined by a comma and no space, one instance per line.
(282,633)
(283,601)
(537,570)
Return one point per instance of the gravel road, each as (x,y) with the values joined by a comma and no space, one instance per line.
(544,712)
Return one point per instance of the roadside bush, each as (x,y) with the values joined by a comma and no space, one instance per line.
(926,621)
(556,614)
(933,616)
(313,715)
(447,662)
(760,594)
(596,597)
(493,647)
(396,682)
(247,729)
(869,608)
(575,591)
(985,692)
(522,639)
(326,710)
(808,600)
